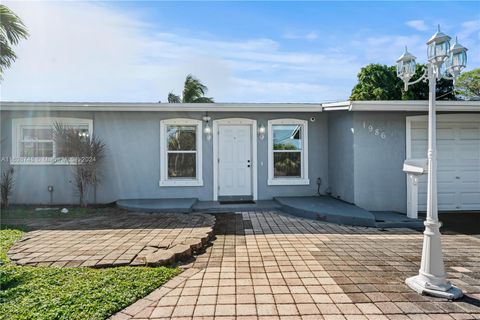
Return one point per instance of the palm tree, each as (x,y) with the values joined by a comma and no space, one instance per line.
(193,92)
(11,30)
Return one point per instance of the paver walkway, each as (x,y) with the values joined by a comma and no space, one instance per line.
(116,239)
(271,266)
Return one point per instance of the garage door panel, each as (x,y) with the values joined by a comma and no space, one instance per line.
(447,199)
(420,134)
(458,154)
(446,176)
(469,198)
(469,152)
(470,177)
(445,153)
(471,134)
(419,151)
(445,134)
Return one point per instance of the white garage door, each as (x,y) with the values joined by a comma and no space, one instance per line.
(458,145)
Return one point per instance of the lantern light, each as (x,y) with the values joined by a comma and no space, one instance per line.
(438,47)
(207,130)
(406,66)
(261,131)
(457,59)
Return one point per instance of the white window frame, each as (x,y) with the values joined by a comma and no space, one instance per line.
(19,123)
(285,181)
(180,182)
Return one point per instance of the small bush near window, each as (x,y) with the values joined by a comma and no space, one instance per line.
(85,152)
(6,186)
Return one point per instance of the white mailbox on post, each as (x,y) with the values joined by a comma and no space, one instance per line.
(414,168)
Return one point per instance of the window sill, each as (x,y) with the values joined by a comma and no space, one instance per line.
(288,182)
(181,183)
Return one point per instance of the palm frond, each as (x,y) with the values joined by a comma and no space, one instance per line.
(173,98)
(7,55)
(203,100)
(193,89)
(11,26)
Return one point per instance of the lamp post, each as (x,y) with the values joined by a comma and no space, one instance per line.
(443,62)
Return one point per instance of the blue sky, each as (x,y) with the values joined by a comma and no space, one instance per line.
(243,51)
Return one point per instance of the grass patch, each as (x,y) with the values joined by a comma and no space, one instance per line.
(30,212)
(70,293)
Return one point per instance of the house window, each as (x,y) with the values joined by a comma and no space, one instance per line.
(36,141)
(181,152)
(33,142)
(288,152)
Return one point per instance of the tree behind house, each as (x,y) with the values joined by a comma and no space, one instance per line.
(193,92)
(380,82)
(85,153)
(468,85)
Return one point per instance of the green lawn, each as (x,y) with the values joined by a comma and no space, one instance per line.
(70,293)
(30,212)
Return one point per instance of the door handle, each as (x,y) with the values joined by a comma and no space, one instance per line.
(248,161)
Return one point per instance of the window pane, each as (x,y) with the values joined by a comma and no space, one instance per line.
(287,164)
(181,137)
(37,134)
(182,165)
(36,149)
(287,137)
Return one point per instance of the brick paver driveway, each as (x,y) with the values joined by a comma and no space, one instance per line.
(113,239)
(271,266)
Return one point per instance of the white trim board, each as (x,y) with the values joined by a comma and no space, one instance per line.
(164,181)
(402,105)
(160,107)
(382,105)
(235,121)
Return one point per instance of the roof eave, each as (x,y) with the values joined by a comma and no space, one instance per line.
(161,107)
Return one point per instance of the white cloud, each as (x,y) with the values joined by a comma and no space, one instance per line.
(470,29)
(81,51)
(310,36)
(419,25)
(387,48)
(84,51)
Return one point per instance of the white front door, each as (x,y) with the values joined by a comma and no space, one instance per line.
(234,160)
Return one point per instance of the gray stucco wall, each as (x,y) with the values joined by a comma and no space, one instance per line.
(341,155)
(132,163)
(31,181)
(364,168)
(380,183)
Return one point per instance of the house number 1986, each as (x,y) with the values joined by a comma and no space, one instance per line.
(373,130)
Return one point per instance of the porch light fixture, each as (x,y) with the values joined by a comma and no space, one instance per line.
(443,62)
(406,67)
(457,59)
(207,130)
(261,132)
(438,47)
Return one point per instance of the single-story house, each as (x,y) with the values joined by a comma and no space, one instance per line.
(352,150)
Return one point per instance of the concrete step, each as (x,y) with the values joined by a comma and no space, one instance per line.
(182,205)
(327,209)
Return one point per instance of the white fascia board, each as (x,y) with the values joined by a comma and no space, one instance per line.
(160,107)
(414,105)
(335,106)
